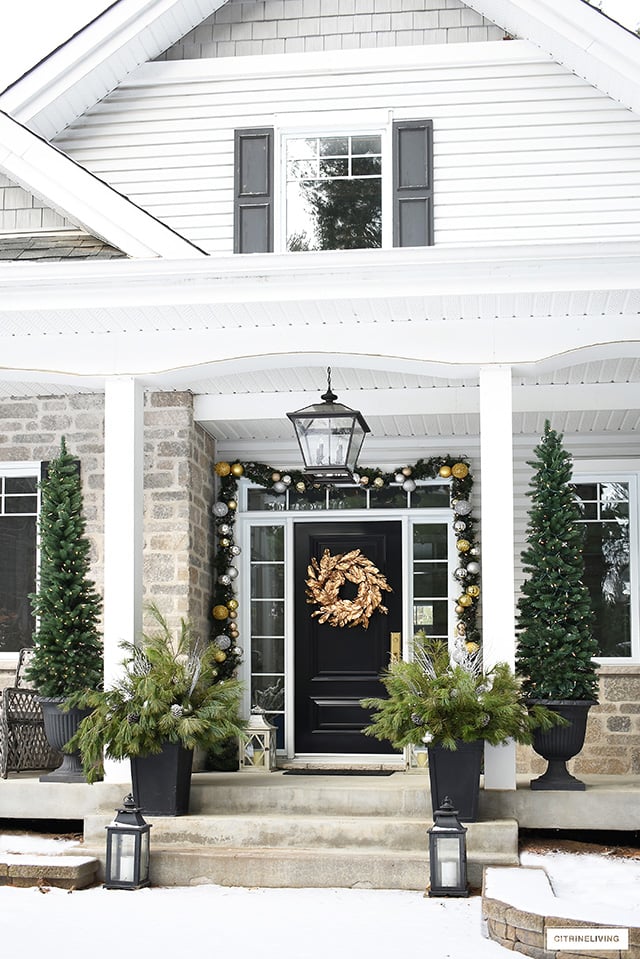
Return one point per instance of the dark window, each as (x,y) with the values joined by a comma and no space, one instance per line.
(18,524)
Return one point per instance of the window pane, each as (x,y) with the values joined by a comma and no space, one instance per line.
(303,148)
(364,145)
(334,167)
(20,484)
(267,543)
(430,541)
(21,504)
(334,146)
(366,166)
(310,499)
(348,498)
(267,617)
(267,580)
(424,497)
(262,499)
(17,580)
(430,618)
(430,580)
(387,498)
(268,692)
(267,656)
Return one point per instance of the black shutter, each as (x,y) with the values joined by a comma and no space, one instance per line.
(413,183)
(253,219)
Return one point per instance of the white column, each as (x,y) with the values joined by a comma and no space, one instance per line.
(123,541)
(498,617)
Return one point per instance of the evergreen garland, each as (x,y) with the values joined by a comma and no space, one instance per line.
(67,647)
(455,469)
(556,645)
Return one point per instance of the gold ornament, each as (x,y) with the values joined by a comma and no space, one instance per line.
(232,504)
(220,612)
(378,481)
(472,648)
(225,541)
(463,545)
(459,610)
(364,480)
(232,614)
(328,576)
(275,477)
(219,656)
(465,600)
(233,604)
(406,471)
(237,469)
(473,590)
(222,468)
(444,472)
(300,487)
(460,470)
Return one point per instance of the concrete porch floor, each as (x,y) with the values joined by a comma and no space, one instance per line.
(608,803)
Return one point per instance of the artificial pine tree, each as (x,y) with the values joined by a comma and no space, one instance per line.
(555,639)
(67,653)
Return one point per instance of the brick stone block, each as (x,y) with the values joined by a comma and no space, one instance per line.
(619,724)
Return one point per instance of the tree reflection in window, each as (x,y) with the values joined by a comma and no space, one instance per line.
(334,193)
(605,508)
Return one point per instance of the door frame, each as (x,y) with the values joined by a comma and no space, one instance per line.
(288,519)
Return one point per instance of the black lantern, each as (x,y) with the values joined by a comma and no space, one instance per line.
(447,853)
(330,437)
(127,849)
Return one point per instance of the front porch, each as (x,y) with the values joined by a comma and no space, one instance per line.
(272,829)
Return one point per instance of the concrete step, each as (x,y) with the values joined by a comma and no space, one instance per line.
(270,830)
(66,872)
(373,868)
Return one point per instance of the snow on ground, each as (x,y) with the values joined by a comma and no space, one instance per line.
(231,923)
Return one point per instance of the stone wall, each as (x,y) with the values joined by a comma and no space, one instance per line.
(241,28)
(178,488)
(612,744)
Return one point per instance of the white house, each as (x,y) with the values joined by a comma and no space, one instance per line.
(205,204)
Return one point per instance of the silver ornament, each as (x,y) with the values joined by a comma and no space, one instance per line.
(279,487)
(237,651)
(460,573)
(224,529)
(235,550)
(409,486)
(232,572)
(462,507)
(399,478)
(224,580)
(220,509)
(473,567)
(223,642)
(459,526)
(474,551)
(286,479)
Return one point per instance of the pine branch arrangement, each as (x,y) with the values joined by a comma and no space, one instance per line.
(434,698)
(556,645)
(67,646)
(170,691)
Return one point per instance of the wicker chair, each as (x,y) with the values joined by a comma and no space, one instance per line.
(23,744)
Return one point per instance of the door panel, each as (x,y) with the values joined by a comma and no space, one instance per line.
(336,667)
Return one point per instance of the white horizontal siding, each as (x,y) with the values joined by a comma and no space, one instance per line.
(524,150)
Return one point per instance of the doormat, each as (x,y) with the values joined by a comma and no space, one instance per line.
(339,772)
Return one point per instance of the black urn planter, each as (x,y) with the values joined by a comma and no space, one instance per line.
(561,743)
(59,728)
(455,773)
(162,781)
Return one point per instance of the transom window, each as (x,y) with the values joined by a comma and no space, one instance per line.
(334,192)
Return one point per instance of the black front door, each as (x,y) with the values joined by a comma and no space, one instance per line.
(336,667)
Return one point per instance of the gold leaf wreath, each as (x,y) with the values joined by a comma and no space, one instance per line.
(327,577)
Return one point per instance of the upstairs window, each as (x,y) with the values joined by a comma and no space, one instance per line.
(333,192)
(336,188)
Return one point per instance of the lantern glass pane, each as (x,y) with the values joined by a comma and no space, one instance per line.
(144,856)
(448,852)
(123,852)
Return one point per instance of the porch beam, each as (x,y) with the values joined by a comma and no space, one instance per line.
(496,496)
(123,537)
(397,402)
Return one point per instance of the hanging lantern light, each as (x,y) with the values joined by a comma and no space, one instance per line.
(127,864)
(330,436)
